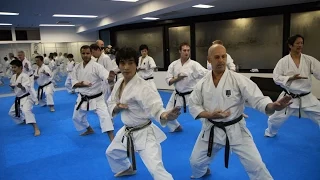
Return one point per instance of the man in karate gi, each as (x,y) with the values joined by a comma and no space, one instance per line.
(21,110)
(146,66)
(70,67)
(219,99)
(137,102)
(86,79)
(230,63)
(43,75)
(27,69)
(106,62)
(294,73)
(184,74)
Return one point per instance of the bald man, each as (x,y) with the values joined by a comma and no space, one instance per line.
(219,100)
(230,63)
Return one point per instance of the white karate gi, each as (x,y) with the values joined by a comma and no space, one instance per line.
(46,61)
(148,65)
(8,68)
(230,64)
(194,72)
(26,103)
(42,80)
(93,73)
(54,69)
(144,103)
(106,62)
(30,72)
(231,93)
(284,69)
(68,83)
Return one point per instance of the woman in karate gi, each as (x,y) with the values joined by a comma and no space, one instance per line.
(294,73)
(219,100)
(146,66)
(137,103)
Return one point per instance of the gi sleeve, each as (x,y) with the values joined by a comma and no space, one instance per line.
(196,100)
(278,75)
(170,72)
(251,93)
(151,102)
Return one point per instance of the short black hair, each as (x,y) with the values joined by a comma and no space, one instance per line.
(5,58)
(143,46)
(17,63)
(39,57)
(127,53)
(293,38)
(85,47)
(95,47)
(70,56)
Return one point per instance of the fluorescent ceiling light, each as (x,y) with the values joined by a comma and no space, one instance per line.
(126,0)
(202,6)
(9,13)
(56,25)
(76,16)
(150,18)
(5,24)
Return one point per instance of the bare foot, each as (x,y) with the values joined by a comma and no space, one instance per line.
(36,132)
(52,109)
(127,172)
(178,129)
(89,131)
(206,174)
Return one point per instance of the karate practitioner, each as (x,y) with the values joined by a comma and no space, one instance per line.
(106,62)
(137,103)
(146,66)
(219,99)
(27,69)
(86,79)
(230,63)
(184,74)
(43,76)
(21,110)
(293,73)
(70,67)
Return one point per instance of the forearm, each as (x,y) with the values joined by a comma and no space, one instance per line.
(270,109)
(79,85)
(173,80)
(204,114)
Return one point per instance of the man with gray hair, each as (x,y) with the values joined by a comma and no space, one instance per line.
(27,69)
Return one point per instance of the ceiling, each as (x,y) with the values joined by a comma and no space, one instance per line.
(35,12)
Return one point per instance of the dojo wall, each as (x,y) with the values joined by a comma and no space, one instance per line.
(161,84)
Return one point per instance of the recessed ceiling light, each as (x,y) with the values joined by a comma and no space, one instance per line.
(5,24)
(126,0)
(56,25)
(76,16)
(9,13)
(202,6)
(150,18)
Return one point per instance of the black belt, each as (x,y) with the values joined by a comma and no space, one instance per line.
(184,99)
(117,76)
(40,90)
(31,75)
(295,96)
(130,145)
(221,125)
(148,78)
(87,98)
(17,104)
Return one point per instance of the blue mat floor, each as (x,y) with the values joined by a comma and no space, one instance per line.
(61,154)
